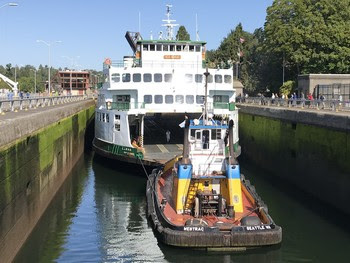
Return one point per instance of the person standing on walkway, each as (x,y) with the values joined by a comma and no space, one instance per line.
(167,135)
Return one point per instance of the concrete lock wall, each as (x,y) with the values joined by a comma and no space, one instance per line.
(36,155)
(309,150)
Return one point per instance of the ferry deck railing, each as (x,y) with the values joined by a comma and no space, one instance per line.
(330,105)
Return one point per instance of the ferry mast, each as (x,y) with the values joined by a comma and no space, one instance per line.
(168,24)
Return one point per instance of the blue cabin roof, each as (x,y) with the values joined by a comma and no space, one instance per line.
(216,124)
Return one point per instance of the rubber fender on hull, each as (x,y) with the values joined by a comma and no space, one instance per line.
(250,221)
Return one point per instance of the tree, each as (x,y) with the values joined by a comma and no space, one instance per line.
(182,34)
(308,36)
(26,84)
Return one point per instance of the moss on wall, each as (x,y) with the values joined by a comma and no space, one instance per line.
(315,159)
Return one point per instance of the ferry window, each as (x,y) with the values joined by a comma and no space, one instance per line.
(220,98)
(178,47)
(126,77)
(228,79)
(198,78)
(168,77)
(215,134)
(179,99)
(107,117)
(218,78)
(115,77)
(158,99)
(199,99)
(169,99)
(189,99)
(191,48)
(147,99)
(188,78)
(158,77)
(152,47)
(159,47)
(172,47)
(136,77)
(147,77)
(165,47)
(210,78)
(145,47)
(117,122)
(198,48)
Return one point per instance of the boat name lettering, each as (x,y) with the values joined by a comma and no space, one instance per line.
(194,228)
(253,228)
(126,149)
(172,57)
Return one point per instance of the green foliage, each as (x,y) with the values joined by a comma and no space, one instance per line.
(26,84)
(182,34)
(287,87)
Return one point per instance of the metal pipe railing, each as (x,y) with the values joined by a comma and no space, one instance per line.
(14,105)
(332,105)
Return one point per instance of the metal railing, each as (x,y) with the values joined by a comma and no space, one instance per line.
(13,105)
(332,105)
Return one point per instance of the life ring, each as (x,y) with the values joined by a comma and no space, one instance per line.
(108,61)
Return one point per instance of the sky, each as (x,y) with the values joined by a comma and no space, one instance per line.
(91,31)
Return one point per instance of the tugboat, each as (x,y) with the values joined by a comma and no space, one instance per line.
(201,200)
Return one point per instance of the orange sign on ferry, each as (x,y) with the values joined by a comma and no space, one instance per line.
(172,57)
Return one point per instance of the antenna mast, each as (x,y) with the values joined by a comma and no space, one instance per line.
(168,24)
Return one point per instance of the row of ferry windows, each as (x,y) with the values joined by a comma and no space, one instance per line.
(180,99)
(167,77)
(169,47)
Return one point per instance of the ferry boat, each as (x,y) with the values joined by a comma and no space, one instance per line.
(145,95)
(201,200)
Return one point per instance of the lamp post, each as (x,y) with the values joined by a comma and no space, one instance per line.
(34,81)
(9,4)
(49,46)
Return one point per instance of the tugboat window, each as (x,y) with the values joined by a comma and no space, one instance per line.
(152,47)
(126,77)
(147,77)
(165,47)
(159,47)
(158,77)
(116,77)
(198,78)
(198,48)
(168,77)
(158,99)
(178,47)
(205,139)
(172,47)
(193,134)
(189,99)
(107,117)
(147,99)
(228,79)
(199,99)
(191,48)
(169,99)
(179,99)
(218,78)
(136,77)
(145,47)
(188,78)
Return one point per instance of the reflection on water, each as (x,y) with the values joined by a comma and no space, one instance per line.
(99,215)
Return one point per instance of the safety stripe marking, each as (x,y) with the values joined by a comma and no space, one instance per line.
(162,148)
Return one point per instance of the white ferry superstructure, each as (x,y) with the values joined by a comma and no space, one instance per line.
(164,77)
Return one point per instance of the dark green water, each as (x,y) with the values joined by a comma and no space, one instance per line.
(99,215)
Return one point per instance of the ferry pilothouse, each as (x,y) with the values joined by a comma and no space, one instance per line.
(145,95)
